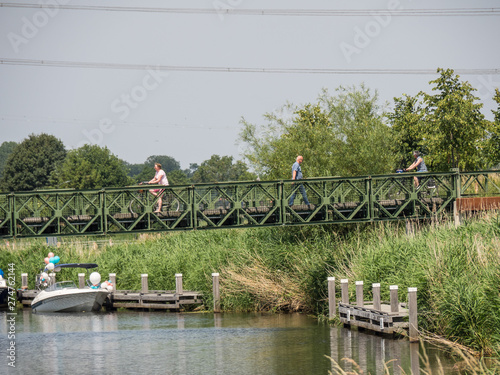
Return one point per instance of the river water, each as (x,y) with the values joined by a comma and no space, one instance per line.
(132,342)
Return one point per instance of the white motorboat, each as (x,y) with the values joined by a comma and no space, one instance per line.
(65,296)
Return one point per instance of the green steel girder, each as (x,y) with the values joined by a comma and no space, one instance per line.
(239,204)
(480,184)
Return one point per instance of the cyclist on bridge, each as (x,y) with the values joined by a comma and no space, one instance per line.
(160,178)
(418,164)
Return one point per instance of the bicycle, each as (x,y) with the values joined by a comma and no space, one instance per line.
(430,189)
(140,200)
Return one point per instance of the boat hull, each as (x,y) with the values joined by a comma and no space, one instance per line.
(4,294)
(69,300)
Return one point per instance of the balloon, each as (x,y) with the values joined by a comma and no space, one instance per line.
(110,288)
(95,278)
(56,259)
(50,266)
(44,276)
(51,260)
(51,255)
(46,260)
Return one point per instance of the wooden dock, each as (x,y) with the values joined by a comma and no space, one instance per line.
(387,318)
(129,299)
(132,299)
(154,299)
(367,317)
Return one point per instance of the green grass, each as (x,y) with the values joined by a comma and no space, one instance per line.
(456,270)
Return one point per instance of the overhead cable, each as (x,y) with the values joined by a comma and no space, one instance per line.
(271,12)
(220,69)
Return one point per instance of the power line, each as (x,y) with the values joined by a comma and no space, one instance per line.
(146,124)
(218,69)
(273,12)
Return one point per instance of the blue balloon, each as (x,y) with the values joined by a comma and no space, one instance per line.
(56,259)
(1,272)
(51,260)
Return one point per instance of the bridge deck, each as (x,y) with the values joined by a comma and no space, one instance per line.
(241,204)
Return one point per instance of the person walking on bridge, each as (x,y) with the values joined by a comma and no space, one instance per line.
(297,175)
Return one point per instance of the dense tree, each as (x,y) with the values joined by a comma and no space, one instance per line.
(448,125)
(454,125)
(492,148)
(168,163)
(405,121)
(133,169)
(340,135)
(362,136)
(220,169)
(178,178)
(91,167)
(5,150)
(190,171)
(146,171)
(31,163)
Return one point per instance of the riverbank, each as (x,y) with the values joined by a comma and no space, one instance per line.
(456,270)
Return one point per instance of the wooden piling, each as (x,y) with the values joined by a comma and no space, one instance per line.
(178,283)
(394,298)
(359,294)
(376,296)
(144,283)
(344,287)
(410,230)
(81,280)
(412,307)
(24,281)
(112,278)
(456,214)
(216,293)
(332,307)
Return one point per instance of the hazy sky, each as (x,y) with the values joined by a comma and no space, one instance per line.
(127,99)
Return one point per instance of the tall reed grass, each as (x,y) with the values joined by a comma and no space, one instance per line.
(456,270)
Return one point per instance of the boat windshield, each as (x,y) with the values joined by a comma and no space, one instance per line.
(62,285)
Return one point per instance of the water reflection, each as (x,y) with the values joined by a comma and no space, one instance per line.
(128,342)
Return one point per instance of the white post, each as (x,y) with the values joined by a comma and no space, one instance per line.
(178,283)
(376,296)
(216,292)
(81,280)
(144,283)
(412,307)
(112,278)
(394,298)
(332,308)
(24,281)
(359,294)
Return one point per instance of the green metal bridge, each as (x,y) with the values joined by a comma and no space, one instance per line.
(45,213)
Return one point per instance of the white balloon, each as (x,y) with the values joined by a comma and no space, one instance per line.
(95,278)
(110,288)
(44,276)
(50,266)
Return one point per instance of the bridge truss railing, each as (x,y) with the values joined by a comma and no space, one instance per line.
(239,204)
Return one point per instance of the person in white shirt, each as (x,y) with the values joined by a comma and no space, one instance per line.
(160,178)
